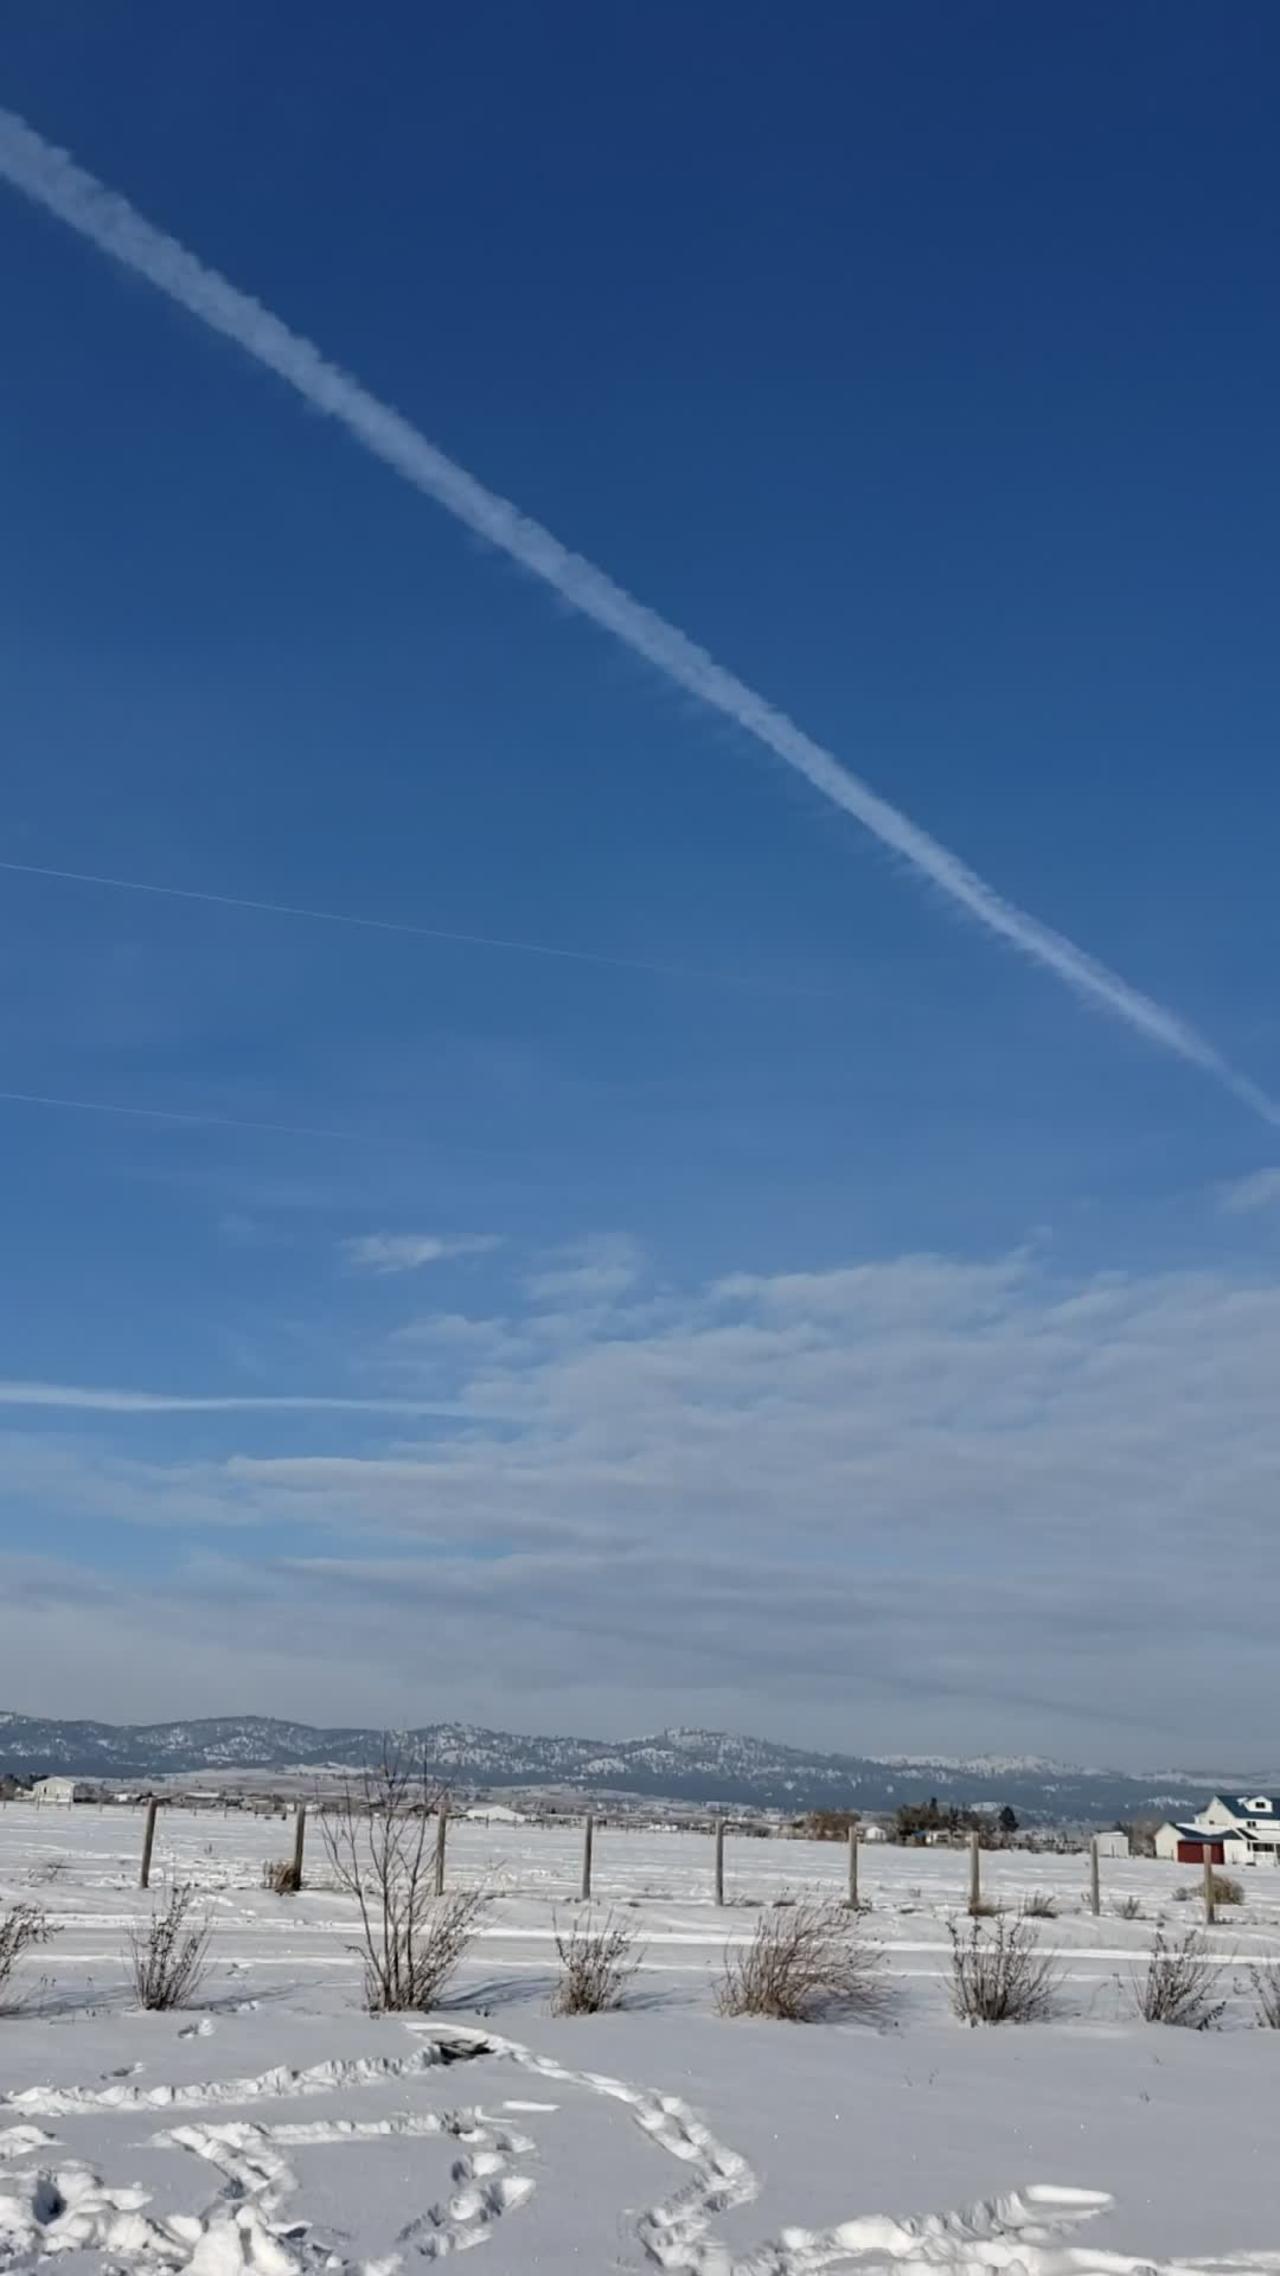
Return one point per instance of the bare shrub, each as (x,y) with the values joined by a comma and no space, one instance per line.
(281,1876)
(170,1956)
(596,1965)
(807,1961)
(1129,1908)
(1226,1890)
(380,1844)
(1264,1983)
(22,1929)
(1179,1984)
(1001,1976)
(1041,1906)
(1183,1893)
(46,1871)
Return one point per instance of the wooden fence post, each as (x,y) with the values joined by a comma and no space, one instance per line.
(719,1861)
(1209,1906)
(975,1876)
(299,1843)
(1095,1879)
(148,1843)
(588,1843)
(442,1835)
(853,1868)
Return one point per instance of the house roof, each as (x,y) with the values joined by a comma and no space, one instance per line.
(1250,1805)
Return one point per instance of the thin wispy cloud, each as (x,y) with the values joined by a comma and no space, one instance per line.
(594,1271)
(409,1252)
(53,180)
(1261,1191)
(81,1398)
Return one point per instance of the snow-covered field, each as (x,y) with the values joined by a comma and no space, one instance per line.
(279,2128)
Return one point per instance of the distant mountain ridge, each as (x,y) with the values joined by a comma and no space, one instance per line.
(676,1765)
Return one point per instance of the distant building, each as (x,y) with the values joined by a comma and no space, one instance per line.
(1233,1829)
(1189,1845)
(60,1790)
(1248,1825)
(1112,1843)
(495,1814)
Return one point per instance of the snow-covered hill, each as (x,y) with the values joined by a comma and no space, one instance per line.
(680,1765)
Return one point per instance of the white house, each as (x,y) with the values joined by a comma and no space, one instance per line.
(1232,1829)
(60,1790)
(1247,1825)
(495,1814)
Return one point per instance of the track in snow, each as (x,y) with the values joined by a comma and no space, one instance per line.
(253,2226)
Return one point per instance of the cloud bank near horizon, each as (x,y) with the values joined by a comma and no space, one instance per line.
(877,1508)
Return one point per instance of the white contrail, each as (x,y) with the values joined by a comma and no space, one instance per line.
(55,181)
(170,1114)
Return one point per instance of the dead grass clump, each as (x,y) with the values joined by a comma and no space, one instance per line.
(1001,1976)
(1264,1983)
(1041,1906)
(802,1963)
(170,1956)
(1179,1985)
(281,1876)
(22,1929)
(596,1965)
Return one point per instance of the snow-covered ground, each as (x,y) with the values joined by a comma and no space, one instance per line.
(280,2129)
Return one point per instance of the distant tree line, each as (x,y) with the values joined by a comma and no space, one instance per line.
(913,1822)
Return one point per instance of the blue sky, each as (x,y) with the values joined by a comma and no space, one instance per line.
(742,1320)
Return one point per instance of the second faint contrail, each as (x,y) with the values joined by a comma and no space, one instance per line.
(359,923)
(54,180)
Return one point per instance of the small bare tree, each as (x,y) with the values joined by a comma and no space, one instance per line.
(280,1876)
(596,1965)
(1001,1976)
(170,1956)
(805,1960)
(22,1929)
(378,1842)
(1179,1984)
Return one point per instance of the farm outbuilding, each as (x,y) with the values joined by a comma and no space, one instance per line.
(1112,1843)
